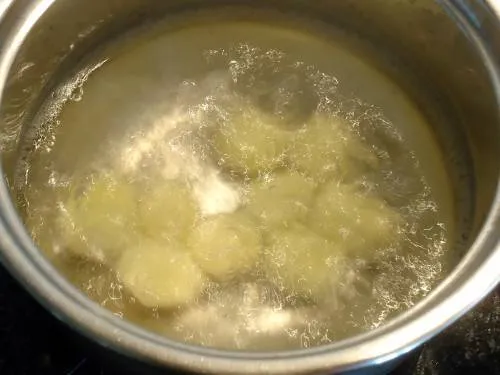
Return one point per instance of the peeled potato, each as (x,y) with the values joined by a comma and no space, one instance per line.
(99,223)
(226,245)
(160,275)
(281,199)
(303,262)
(168,211)
(360,224)
(326,148)
(250,143)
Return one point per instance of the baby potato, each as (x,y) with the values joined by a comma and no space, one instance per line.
(226,245)
(303,262)
(281,199)
(358,223)
(160,275)
(250,143)
(325,148)
(168,211)
(99,223)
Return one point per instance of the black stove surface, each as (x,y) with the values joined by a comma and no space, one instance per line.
(34,342)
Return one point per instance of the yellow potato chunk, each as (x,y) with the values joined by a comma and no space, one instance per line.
(250,143)
(99,223)
(168,211)
(281,198)
(325,148)
(160,275)
(358,223)
(303,262)
(226,245)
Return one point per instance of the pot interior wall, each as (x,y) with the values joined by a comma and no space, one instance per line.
(421,48)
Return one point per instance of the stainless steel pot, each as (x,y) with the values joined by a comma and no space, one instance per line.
(447,55)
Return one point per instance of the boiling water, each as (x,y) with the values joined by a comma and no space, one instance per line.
(143,111)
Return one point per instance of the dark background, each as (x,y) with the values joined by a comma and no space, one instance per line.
(34,342)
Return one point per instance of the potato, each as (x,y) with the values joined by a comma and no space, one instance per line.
(250,143)
(160,275)
(99,223)
(281,198)
(167,211)
(358,223)
(302,262)
(226,245)
(326,148)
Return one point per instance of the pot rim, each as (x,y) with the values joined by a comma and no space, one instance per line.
(476,275)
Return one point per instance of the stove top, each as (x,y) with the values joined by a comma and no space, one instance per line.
(34,342)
